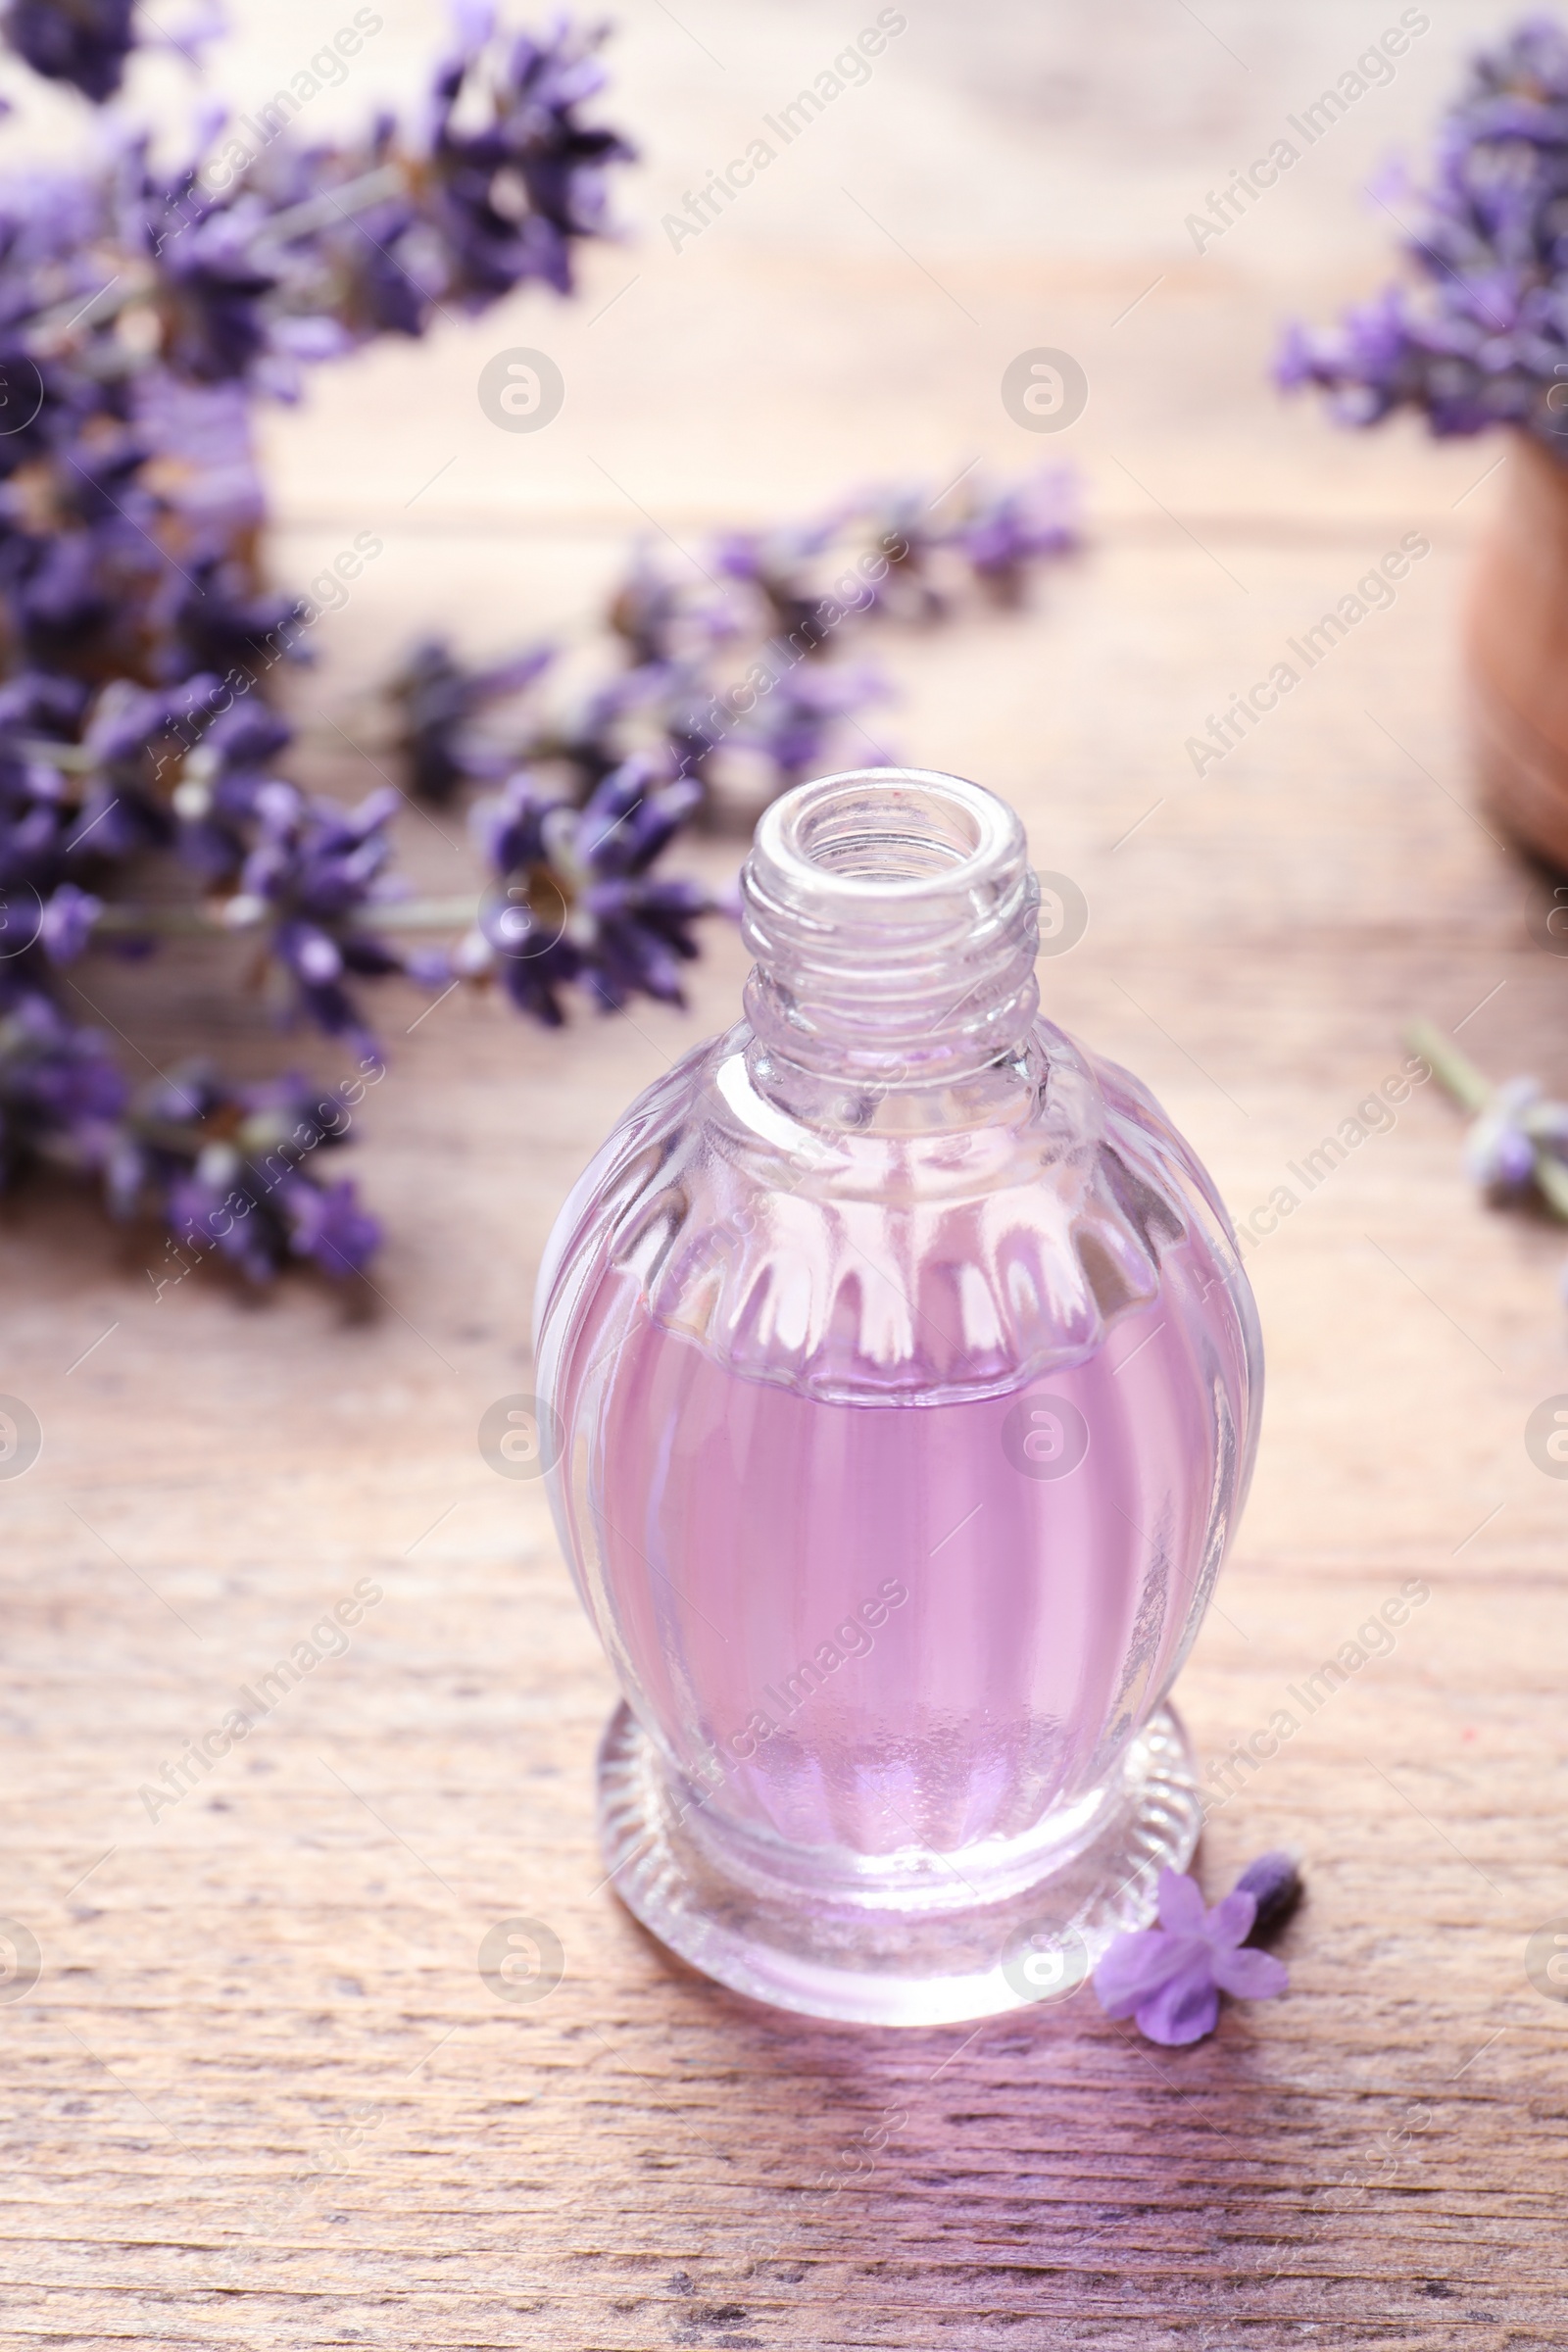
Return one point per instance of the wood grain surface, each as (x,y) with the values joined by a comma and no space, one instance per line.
(260,2095)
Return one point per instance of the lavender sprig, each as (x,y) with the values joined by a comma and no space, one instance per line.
(1517,1142)
(143,311)
(316,871)
(438,703)
(1481,337)
(734,673)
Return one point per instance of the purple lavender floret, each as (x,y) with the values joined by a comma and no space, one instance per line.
(65,922)
(793,723)
(75,797)
(512,198)
(1516,1131)
(234,1169)
(664,621)
(575,899)
(225,622)
(777,565)
(437,700)
(1169,1978)
(1481,337)
(61,1094)
(229,1169)
(123,810)
(85,43)
(1007,531)
(214,287)
(315,872)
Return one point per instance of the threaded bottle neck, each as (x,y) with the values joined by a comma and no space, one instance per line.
(895,920)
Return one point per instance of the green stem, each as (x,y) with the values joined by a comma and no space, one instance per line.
(320,212)
(1552,1182)
(1453,1070)
(317,212)
(1469,1089)
(126,919)
(423,915)
(71,759)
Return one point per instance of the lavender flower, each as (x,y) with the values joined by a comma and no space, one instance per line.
(1169,1978)
(1481,338)
(214,285)
(1501,1149)
(732,676)
(1007,531)
(224,623)
(81,41)
(793,723)
(1498,1155)
(575,899)
(778,567)
(142,310)
(665,620)
(61,1095)
(316,870)
(1518,1141)
(214,786)
(231,1170)
(437,700)
(510,198)
(65,922)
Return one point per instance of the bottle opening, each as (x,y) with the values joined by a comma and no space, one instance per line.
(867,829)
(889,828)
(894,918)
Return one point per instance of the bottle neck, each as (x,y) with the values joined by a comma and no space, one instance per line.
(894,918)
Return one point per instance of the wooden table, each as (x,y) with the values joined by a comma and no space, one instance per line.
(260,2095)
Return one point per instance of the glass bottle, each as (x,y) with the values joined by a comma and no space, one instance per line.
(906,1382)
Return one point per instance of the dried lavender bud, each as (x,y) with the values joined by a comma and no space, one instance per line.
(1274,1882)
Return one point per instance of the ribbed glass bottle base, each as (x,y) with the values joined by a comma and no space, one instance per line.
(853,1954)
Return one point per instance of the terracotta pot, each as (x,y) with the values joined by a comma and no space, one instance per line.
(1517,648)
